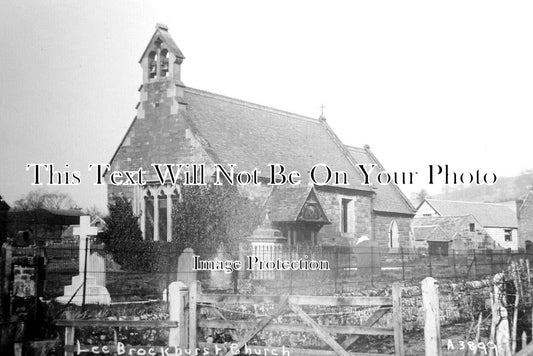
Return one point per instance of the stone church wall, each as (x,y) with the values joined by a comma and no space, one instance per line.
(381,229)
(331,234)
(157,137)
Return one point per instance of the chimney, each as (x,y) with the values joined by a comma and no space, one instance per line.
(518,203)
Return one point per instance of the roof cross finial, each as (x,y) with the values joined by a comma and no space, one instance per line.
(322,117)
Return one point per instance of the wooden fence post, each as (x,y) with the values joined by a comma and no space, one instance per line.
(403,264)
(69,335)
(430,298)
(397,318)
(194,290)
(500,321)
(178,297)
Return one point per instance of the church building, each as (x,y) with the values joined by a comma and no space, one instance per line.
(180,124)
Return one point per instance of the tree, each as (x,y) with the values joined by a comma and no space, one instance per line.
(208,217)
(422,195)
(93,212)
(42,199)
(419,197)
(205,218)
(123,238)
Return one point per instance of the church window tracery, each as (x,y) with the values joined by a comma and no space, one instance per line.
(156,211)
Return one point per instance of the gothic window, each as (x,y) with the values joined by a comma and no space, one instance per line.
(152,65)
(347,216)
(164,63)
(149,213)
(156,212)
(394,236)
(345,203)
(162,218)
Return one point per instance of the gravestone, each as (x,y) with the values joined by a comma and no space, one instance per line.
(186,274)
(23,281)
(94,293)
(368,257)
(96,268)
(220,279)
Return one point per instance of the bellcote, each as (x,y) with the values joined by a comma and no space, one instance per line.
(162,92)
(161,60)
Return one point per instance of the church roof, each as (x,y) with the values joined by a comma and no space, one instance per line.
(389,198)
(253,136)
(489,215)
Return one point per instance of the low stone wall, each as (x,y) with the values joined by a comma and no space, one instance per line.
(459,302)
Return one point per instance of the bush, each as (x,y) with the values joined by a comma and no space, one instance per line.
(123,239)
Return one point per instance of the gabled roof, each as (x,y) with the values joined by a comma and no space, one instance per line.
(253,136)
(285,204)
(430,233)
(95,221)
(450,225)
(47,216)
(389,198)
(488,214)
(161,31)
(527,200)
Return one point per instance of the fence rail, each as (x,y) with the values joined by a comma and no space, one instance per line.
(294,303)
(344,273)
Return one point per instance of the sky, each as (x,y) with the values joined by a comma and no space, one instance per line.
(421,82)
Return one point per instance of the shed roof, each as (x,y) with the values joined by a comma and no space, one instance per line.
(488,214)
(430,233)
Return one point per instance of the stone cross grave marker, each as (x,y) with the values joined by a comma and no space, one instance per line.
(95,293)
(84,231)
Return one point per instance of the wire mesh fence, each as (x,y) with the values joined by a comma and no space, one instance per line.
(272,269)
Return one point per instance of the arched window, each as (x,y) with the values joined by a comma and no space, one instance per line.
(152,65)
(164,63)
(149,216)
(162,216)
(394,236)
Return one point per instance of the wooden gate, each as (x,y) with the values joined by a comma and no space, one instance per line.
(294,303)
(184,324)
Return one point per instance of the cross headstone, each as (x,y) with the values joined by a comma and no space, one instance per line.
(96,292)
(84,231)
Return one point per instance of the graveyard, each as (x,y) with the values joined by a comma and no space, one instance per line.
(209,187)
(97,304)
(365,299)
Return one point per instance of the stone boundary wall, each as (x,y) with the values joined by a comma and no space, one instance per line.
(459,302)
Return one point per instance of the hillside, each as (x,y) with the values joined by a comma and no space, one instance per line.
(505,189)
